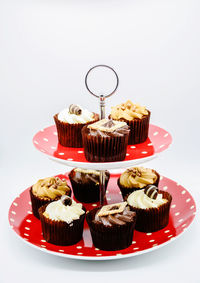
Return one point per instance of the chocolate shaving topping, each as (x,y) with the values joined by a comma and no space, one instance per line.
(75,109)
(109,124)
(151,191)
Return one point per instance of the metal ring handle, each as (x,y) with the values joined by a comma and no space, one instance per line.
(97,66)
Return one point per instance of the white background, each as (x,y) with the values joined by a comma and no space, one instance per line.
(46,48)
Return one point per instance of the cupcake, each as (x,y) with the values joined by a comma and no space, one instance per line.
(85,184)
(62,221)
(136,116)
(111,226)
(137,178)
(69,123)
(105,141)
(47,190)
(152,208)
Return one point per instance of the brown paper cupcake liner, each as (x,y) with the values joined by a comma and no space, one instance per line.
(153,219)
(69,135)
(116,237)
(59,232)
(127,191)
(86,192)
(38,202)
(104,149)
(139,129)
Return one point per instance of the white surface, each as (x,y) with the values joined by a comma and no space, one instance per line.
(46,48)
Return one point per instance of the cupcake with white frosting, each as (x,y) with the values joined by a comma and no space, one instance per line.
(62,221)
(152,207)
(137,178)
(136,116)
(69,123)
(47,190)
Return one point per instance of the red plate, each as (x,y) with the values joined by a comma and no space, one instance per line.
(46,141)
(182,213)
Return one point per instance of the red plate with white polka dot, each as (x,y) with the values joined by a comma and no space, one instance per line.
(182,213)
(46,141)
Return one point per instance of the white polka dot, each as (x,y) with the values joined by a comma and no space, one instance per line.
(144,152)
(161,177)
(127,154)
(53,147)
(136,249)
(194,213)
(15,204)
(120,193)
(155,245)
(183,192)
(70,159)
(28,220)
(162,145)
(13,212)
(173,206)
(133,146)
(177,184)
(118,254)
(11,226)
(96,249)
(170,236)
(42,130)
(79,247)
(25,239)
(12,220)
(165,188)
(43,241)
(107,192)
(45,139)
(80,151)
(155,133)
(79,253)
(61,153)
(177,213)
(191,207)
(27,228)
(133,242)
(188,200)
(98,254)
(148,234)
(150,144)
(29,202)
(36,142)
(42,150)
(151,241)
(183,225)
(167,231)
(55,133)
(25,234)
(94,204)
(62,251)
(29,212)
(166,135)
(180,220)
(43,246)
(108,198)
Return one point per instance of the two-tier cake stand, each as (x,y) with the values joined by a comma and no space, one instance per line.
(182,211)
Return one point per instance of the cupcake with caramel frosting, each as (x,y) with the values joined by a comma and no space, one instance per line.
(69,123)
(112,226)
(137,178)
(136,116)
(47,190)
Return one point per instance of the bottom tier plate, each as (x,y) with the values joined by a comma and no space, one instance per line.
(28,228)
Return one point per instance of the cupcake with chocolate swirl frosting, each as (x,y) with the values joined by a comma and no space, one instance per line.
(69,123)
(111,226)
(85,184)
(105,141)
(62,221)
(152,207)
(136,116)
(137,178)
(47,190)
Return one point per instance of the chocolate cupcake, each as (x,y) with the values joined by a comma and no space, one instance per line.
(69,123)
(105,141)
(136,116)
(111,226)
(47,190)
(152,208)
(62,221)
(137,178)
(85,184)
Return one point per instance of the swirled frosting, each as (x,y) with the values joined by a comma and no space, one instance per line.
(139,199)
(138,177)
(128,111)
(85,116)
(58,211)
(50,188)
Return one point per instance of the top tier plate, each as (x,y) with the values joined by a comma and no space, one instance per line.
(46,141)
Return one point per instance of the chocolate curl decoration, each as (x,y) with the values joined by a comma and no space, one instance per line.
(75,109)
(151,191)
